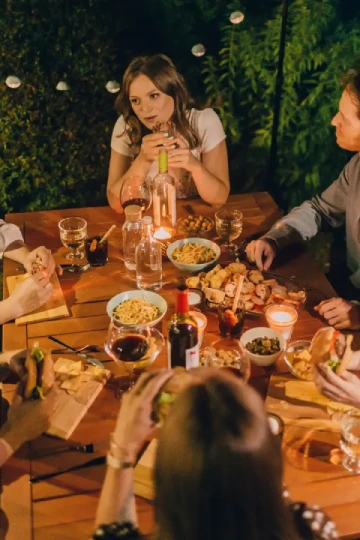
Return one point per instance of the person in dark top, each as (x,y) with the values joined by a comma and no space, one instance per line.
(218,468)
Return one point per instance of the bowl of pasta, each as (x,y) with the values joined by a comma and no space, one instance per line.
(193,254)
(140,308)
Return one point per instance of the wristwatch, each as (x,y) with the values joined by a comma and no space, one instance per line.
(117,457)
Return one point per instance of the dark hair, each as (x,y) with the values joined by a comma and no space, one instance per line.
(163,73)
(218,472)
(351,81)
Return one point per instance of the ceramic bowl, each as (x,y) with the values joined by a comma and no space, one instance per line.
(260,332)
(148,296)
(193,267)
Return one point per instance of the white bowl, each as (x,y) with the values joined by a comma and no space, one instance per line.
(148,296)
(193,267)
(259,359)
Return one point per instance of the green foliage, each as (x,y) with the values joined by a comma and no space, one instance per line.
(243,76)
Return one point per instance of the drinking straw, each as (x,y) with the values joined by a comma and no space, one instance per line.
(107,234)
(237,294)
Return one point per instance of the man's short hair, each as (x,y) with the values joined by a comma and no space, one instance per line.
(351,81)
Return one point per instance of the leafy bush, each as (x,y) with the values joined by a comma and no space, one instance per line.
(319,49)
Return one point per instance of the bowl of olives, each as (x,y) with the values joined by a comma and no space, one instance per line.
(263,345)
(195,226)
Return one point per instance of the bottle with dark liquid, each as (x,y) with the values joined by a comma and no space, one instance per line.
(183,345)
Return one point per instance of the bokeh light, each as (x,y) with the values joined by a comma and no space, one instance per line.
(112,86)
(62,86)
(236,17)
(12,81)
(198,50)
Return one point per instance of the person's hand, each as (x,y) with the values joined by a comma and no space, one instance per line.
(150,146)
(344,388)
(340,313)
(32,293)
(40,259)
(181,156)
(262,252)
(134,423)
(27,420)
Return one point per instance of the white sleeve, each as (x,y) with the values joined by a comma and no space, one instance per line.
(120,140)
(210,129)
(9,233)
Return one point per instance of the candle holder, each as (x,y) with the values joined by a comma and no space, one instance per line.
(282,319)
(201,322)
(164,233)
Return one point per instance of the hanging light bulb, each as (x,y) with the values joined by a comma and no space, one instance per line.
(62,86)
(236,17)
(112,86)
(12,81)
(198,50)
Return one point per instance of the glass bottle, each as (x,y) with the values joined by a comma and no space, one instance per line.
(148,259)
(131,233)
(164,196)
(183,344)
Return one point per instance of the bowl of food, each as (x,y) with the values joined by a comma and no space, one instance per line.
(263,345)
(193,254)
(140,308)
(226,353)
(298,359)
(195,226)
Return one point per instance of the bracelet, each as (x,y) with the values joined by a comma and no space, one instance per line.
(117,457)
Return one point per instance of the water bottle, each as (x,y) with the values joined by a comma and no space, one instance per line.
(148,259)
(131,233)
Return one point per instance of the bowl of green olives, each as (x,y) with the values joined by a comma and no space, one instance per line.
(195,226)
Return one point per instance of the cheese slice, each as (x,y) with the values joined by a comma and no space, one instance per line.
(68,367)
(97,373)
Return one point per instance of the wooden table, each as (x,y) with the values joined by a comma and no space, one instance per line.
(64,507)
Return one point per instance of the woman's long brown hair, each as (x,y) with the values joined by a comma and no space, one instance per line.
(162,72)
(218,472)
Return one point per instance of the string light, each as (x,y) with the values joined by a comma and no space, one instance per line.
(236,17)
(112,86)
(198,50)
(12,81)
(62,86)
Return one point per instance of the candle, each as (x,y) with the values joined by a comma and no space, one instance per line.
(201,321)
(162,234)
(282,319)
(195,298)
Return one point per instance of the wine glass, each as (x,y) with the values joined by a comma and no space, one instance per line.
(132,346)
(135,190)
(73,232)
(229,226)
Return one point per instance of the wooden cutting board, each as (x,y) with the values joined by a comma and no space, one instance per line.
(55,307)
(72,407)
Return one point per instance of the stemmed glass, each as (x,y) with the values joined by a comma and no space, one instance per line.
(135,190)
(132,346)
(73,232)
(229,226)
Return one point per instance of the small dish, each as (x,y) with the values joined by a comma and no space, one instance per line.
(193,267)
(262,332)
(298,362)
(195,226)
(227,354)
(147,296)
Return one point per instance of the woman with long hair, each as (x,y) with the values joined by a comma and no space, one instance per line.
(218,470)
(154,92)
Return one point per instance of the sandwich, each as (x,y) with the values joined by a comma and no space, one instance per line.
(181,380)
(40,373)
(331,348)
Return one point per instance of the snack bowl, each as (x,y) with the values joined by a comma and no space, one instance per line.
(188,267)
(193,225)
(262,332)
(148,296)
(298,362)
(227,354)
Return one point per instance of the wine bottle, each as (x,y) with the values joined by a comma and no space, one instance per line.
(183,345)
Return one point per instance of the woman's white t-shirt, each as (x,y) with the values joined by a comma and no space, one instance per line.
(210,131)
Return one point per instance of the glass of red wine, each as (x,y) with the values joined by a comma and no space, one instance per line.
(135,190)
(133,347)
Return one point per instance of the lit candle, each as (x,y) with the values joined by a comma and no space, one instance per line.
(201,321)
(162,234)
(282,319)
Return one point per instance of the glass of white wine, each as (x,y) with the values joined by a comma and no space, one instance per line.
(73,232)
(350,441)
(229,225)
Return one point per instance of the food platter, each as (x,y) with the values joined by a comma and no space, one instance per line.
(259,289)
